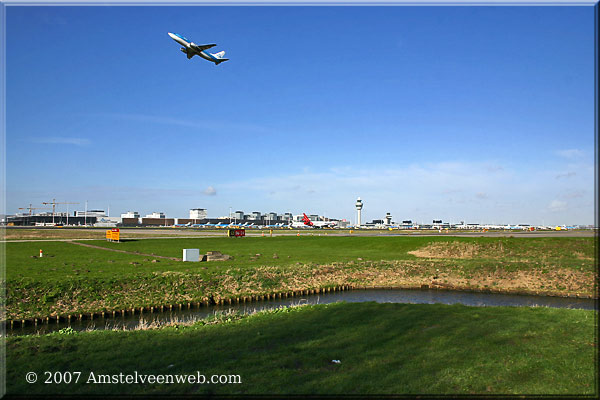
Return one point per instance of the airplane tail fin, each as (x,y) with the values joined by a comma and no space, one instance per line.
(219,57)
(306,220)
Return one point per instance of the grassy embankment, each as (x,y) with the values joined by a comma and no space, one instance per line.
(70,279)
(383,349)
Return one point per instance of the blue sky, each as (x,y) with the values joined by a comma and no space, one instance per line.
(481,114)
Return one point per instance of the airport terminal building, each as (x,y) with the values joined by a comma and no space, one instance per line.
(50,220)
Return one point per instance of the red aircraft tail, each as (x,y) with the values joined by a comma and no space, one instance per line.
(307,220)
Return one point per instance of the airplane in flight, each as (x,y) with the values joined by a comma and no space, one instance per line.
(307,223)
(191,49)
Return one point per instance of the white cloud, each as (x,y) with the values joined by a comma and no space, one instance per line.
(453,191)
(395,187)
(575,194)
(62,140)
(566,175)
(557,205)
(203,125)
(571,153)
(494,168)
(210,191)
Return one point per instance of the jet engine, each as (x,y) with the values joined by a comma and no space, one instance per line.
(183,50)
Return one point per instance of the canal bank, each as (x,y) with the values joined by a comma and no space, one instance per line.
(191,313)
(84,282)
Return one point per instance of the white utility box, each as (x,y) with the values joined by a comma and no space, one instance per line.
(191,255)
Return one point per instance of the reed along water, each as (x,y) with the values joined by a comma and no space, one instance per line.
(406,296)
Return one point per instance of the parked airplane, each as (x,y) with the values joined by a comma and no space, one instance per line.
(307,223)
(272,226)
(191,49)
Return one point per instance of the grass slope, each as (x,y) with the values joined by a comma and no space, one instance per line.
(73,279)
(383,349)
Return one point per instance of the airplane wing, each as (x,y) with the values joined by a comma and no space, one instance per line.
(202,47)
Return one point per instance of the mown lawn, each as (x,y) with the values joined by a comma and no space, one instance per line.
(383,349)
(523,252)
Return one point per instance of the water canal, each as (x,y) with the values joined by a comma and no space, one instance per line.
(412,296)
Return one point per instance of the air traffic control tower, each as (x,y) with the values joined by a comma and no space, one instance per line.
(359,206)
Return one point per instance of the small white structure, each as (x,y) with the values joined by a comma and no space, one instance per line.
(90,213)
(198,213)
(156,215)
(130,214)
(191,255)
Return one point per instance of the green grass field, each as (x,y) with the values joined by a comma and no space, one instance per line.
(74,279)
(383,349)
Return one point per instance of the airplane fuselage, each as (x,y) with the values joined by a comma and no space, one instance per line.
(305,222)
(189,49)
(315,224)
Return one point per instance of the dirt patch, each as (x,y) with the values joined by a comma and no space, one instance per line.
(557,281)
(400,274)
(447,250)
(54,233)
(216,256)
(580,256)
(126,252)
